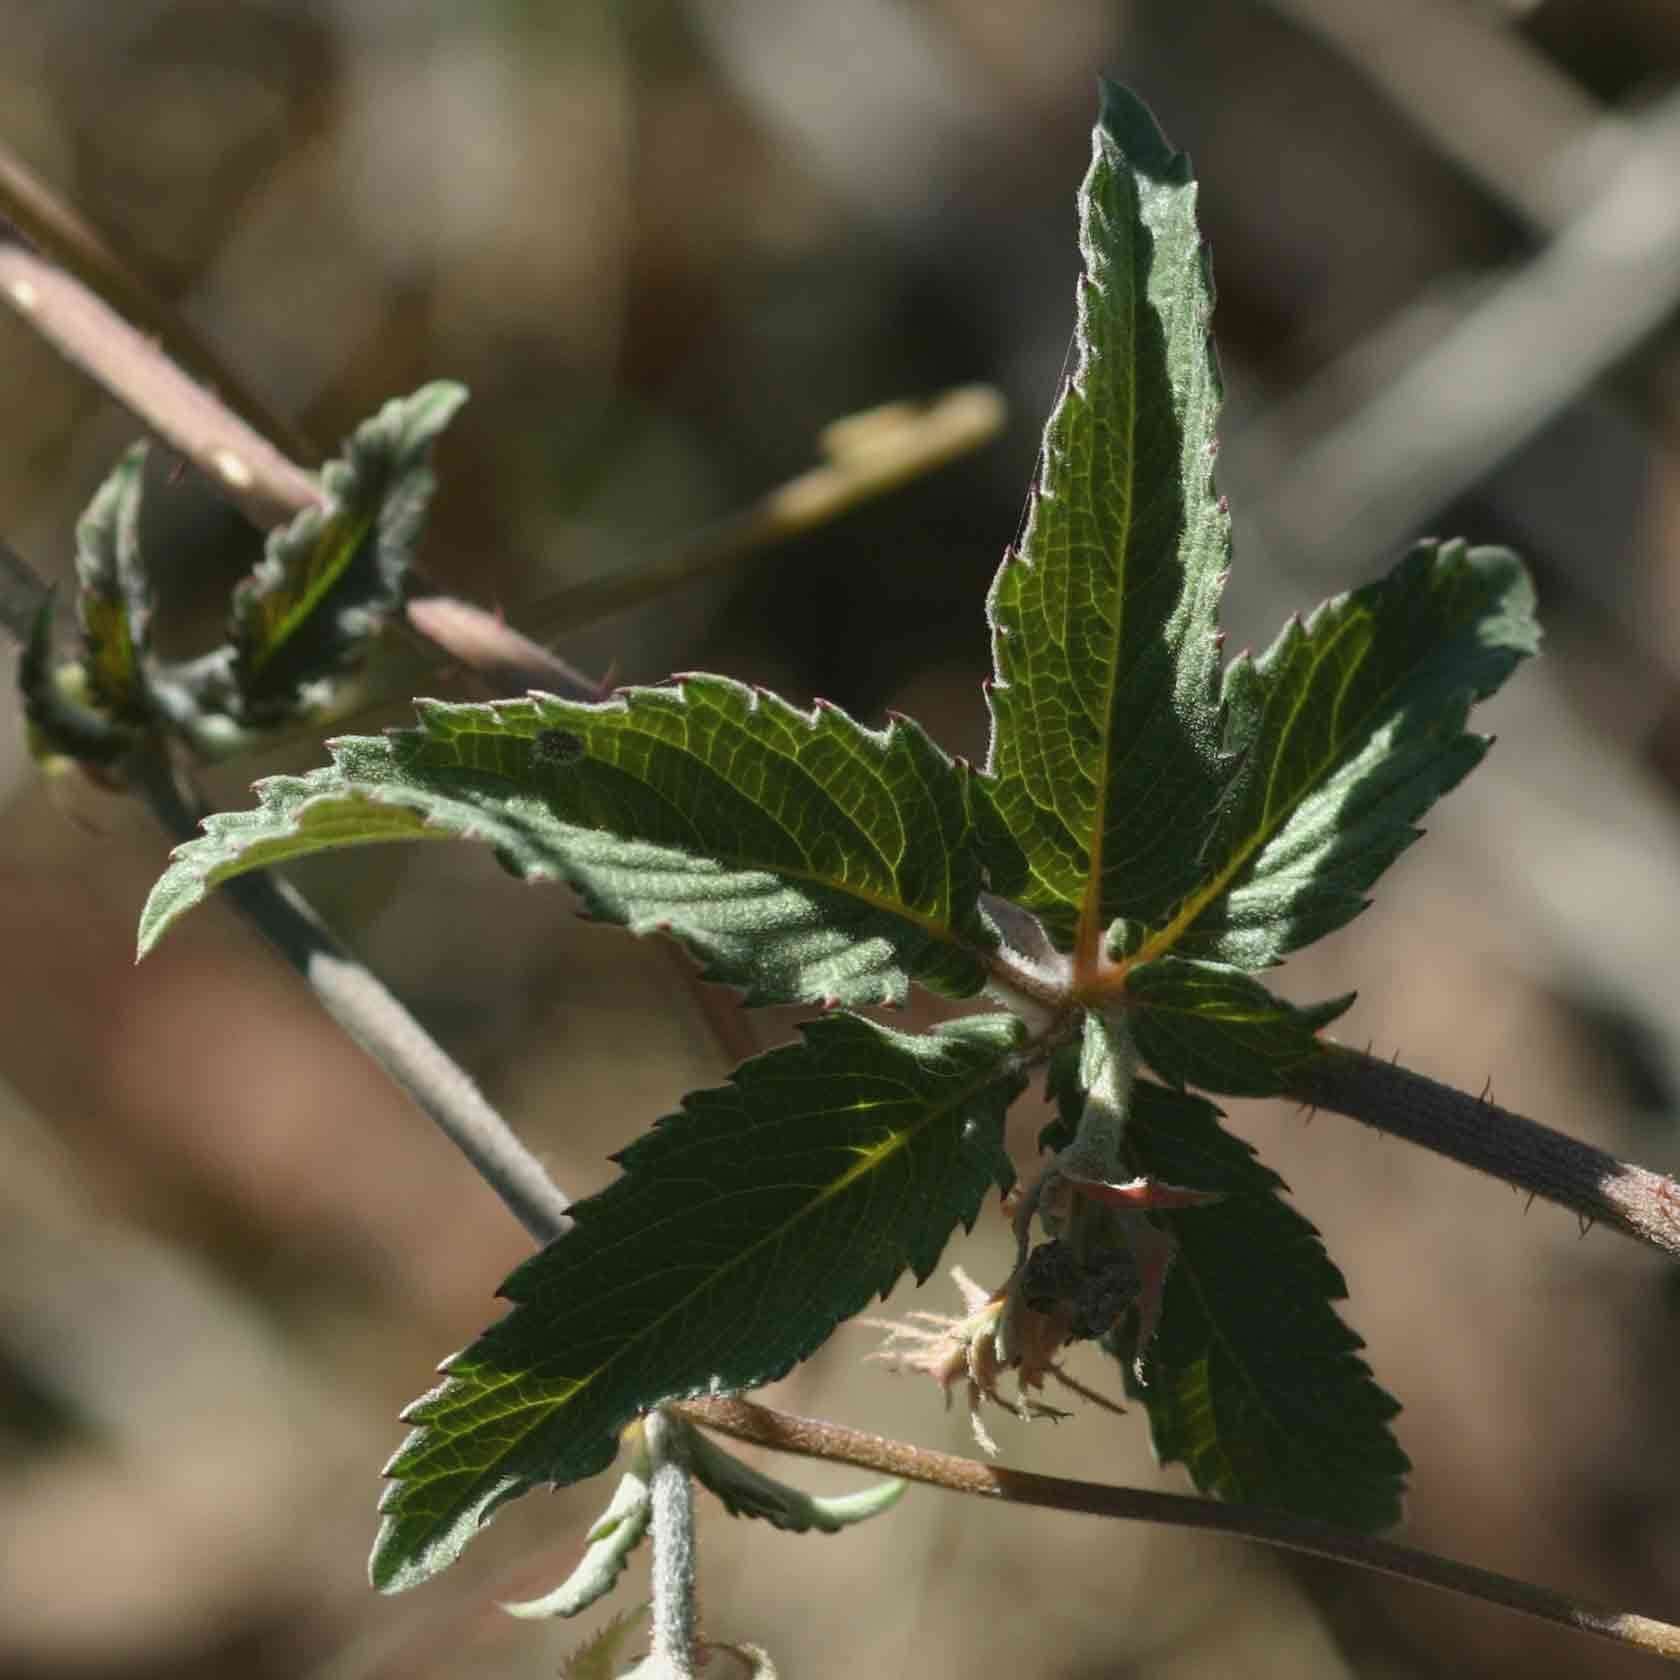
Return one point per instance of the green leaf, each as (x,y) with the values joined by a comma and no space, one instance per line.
(1107,737)
(1210,1025)
(60,725)
(114,600)
(801,856)
(1354,724)
(602,1657)
(329,581)
(746,1492)
(1254,1382)
(612,1537)
(743,1231)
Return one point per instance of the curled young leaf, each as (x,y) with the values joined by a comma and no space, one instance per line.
(328,582)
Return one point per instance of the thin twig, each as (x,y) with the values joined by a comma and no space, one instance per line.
(866,455)
(362,1006)
(64,236)
(1480,1134)
(266,486)
(813,1438)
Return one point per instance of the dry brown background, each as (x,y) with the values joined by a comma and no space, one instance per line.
(664,242)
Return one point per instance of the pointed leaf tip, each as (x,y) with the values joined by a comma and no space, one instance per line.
(1105,702)
(1254,1382)
(786,1200)
(798,854)
(1349,727)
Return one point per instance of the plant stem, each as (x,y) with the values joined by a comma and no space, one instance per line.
(812,1438)
(866,454)
(64,237)
(247,469)
(675,1619)
(362,1006)
(1481,1134)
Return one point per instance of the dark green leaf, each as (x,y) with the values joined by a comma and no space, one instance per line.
(1106,747)
(329,581)
(803,857)
(59,724)
(1210,1025)
(743,1231)
(114,600)
(1254,1382)
(1354,726)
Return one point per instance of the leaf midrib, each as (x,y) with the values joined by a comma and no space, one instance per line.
(484,1391)
(320,579)
(1087,938)
(1269,826)
(944,930)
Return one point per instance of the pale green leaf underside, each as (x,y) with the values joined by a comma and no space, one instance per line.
(747,1492)
(1351,725)
(1106,733)
(743,1231)
(801,856)
(1254,1382)
(614,1535)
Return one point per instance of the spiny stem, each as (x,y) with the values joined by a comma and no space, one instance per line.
(813,1438)
(1480,1134)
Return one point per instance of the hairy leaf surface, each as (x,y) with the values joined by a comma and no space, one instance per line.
(1211,1025)
(1106,747)
(743,1231)
(329,581)
(803,857)
(1353,725)
(1253,1381)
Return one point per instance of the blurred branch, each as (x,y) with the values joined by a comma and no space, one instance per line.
(1492,377)
(1481,96)
(867,454)
(361,1005)
(266,486)
(64,237)
(813,1438)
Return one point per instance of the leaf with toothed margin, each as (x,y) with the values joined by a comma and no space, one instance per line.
(743,1230)
(1252,1380)
(1106,759)
(1353,725)
(1210,1025)
(329,581)
(801,856)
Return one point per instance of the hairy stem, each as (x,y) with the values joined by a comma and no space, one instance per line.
(813,1438)
(1481,1134)
(675,1619)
